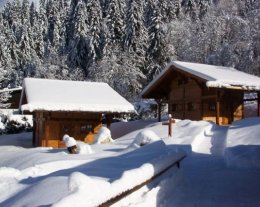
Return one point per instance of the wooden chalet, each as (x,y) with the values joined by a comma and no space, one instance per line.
(69,107)
(203,92)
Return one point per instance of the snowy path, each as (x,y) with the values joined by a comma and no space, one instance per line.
(208,182)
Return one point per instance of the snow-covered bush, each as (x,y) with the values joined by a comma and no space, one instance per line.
(145,137)
(103,136)
(11,123)
(147,109)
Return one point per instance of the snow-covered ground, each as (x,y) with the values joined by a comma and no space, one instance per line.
(221,168)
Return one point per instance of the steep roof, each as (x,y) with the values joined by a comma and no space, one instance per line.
(61,95)
(213,76)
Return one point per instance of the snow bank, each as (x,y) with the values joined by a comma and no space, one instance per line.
(84,148)
(145,137)
(207,177)
(103,136)
(243,144)
(243,156)
(86,191)
(6,172)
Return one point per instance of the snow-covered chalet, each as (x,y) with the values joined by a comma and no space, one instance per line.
(204,92)
(69,107)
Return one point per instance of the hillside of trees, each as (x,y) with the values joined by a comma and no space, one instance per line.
(124,42)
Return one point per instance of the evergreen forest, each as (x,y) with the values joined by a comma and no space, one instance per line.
(124,42)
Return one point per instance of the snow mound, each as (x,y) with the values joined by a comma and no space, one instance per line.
(84,148)
(243,156)
(103,136)
(84,190)
(243,144)
(6,172)
(145,137)
(69,141)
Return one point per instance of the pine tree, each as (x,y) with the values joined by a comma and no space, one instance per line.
(25,16)
(127,82)
(94,22)
(32,14)
(5,58)
(169,9)
(115,20)
(135,32)
(157,54)
(81,53)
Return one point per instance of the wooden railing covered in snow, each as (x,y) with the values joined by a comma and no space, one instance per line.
(111,201)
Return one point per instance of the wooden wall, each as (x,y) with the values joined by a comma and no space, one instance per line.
(185,99)
(50,127)
(191,99)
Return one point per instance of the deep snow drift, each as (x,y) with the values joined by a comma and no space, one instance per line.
(222,167)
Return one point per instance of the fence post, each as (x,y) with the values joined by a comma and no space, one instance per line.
(171,121)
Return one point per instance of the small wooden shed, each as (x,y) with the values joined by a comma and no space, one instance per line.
(69,107)
(203,92)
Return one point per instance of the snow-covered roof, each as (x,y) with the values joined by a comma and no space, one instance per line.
(61,95)
(214,76)
(219,76)
(10,89)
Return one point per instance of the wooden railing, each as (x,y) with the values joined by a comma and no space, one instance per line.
(137,187)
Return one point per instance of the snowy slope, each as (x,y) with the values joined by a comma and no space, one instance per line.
(214,172)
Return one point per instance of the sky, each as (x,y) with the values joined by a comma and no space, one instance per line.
(221,167)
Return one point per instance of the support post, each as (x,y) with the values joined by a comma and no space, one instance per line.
(218,107)
(41,128)
(258,104)
(47,134)
(159,109)
(108,120)
(34,138)
(170,122)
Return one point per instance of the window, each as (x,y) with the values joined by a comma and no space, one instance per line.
(191,106)
(212,106)
(84,129)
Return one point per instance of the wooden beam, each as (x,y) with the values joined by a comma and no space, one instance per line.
(109,118)
(39,127)
(258,104)
(170,122)
(34,131)
(128,192)
(201,110)
(209,97)
(47,134)
(243,110)
(159,109)
(183,103)
(40,124)
(218,107)
(251,99)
